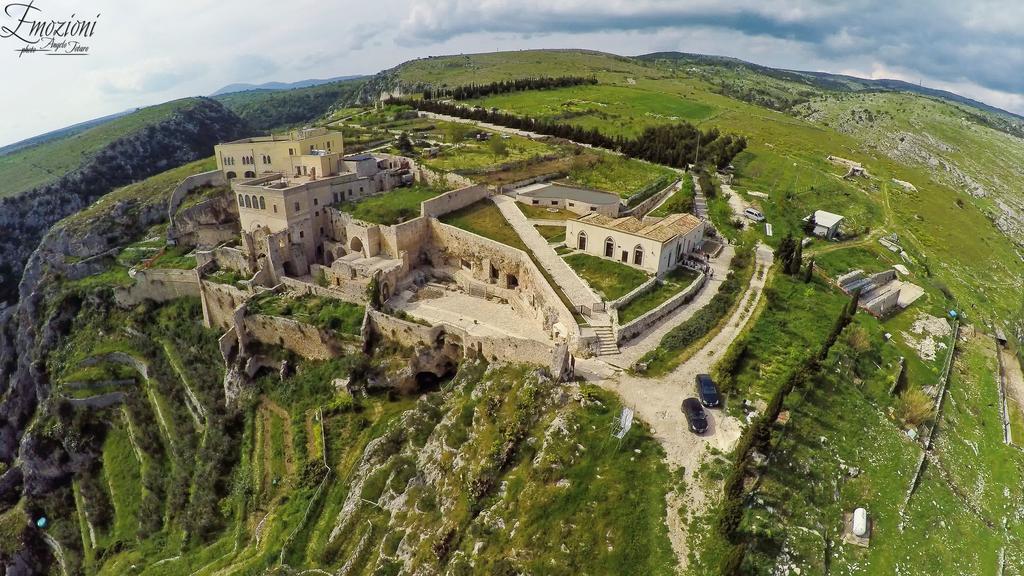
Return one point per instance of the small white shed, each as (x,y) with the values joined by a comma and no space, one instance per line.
(826,224)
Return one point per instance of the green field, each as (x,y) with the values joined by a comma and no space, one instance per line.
(612,280)
(327,313)
(485,219)
(392,207)
(671,284)
(36,165)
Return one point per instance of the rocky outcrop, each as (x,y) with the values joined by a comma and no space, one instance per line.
(187,135)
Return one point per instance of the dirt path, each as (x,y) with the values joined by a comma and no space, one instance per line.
(289,435)
(657,402)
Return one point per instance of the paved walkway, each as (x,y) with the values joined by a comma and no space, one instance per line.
(575,289)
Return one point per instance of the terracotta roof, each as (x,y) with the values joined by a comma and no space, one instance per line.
(661,230)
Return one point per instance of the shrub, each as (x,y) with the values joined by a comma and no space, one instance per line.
(914,407)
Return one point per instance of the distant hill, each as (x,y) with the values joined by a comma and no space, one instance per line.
(308,83)
(275,109)
(62,132)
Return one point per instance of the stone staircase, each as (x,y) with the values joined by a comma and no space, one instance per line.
(606,338)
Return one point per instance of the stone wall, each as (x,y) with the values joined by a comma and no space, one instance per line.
(456,248)
(454,200)
(219,303)
(449,179)
(636,293)
(303,339)
(506,349)
(638,325)
(641,209)
(226,258)
(159,285)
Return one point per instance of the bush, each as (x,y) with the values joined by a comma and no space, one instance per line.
(914,407)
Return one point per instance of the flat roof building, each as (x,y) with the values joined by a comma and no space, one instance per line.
(310,151)
(826,224)
(573,198)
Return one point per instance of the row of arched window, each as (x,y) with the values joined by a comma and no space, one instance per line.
(609,248)
(252,202)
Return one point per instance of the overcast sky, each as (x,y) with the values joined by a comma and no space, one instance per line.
(149,52)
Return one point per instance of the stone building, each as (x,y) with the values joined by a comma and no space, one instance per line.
(298,153)
(575,199)
(655,245)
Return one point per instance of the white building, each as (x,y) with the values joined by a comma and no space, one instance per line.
(826,224)
(655,245)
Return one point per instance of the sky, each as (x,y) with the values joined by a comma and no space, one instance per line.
(144,53)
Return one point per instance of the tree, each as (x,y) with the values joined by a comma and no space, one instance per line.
(851,308)
(404,143)
(456,132)
(809,225)
(809,271)
(498,147)
(786,249)
(732,565)
(797,259)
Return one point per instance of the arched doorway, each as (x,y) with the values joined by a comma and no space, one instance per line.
(232,175)
(356,245)
(385,292)
(638,255)
(581,241)
(250,174)
(609,247)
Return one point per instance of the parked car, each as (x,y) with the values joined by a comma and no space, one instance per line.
(696,419)
(754,214)
(707,391)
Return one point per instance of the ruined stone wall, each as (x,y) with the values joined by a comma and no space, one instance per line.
(449,179)
(454,200)
(227,258)
(884,303)
(641,324)
(456,248)
(505,349)
(408,238)
(159,285)
(303,339)
(219,303)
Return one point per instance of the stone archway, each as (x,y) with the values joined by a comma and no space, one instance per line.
(356,245)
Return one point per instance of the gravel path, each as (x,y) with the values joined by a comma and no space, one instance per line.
(657,401)
(578,293)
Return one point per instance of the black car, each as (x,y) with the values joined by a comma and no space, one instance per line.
(707,391)
(696,419)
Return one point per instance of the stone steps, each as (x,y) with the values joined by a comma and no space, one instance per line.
(606,341)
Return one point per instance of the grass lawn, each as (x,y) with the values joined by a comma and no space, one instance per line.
(175,257)
(611,279)
(623,176)
(679,202)
(485,219)
(231,277)
(673,283)
(392,207)
(327,313)
(470,156)
(552,233)
(542,213)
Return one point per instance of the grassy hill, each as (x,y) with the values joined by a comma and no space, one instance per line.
(275,109)
(29,167)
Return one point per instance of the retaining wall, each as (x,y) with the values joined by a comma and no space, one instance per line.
(641,209)
(638,325)
(454,200)
(211,178)
(304,339)
(159,285)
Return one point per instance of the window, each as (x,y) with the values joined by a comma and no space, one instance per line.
(609,247)
(255,202)
(360,189)
(297,206)
(291,152)
(572,203)
(321,230)
(232,175)
(337,198)
(316,201)
(328,145)
(275,208)
(317,214)
(554,202)
(298,171)
(581,241)
(638,256)
(349,192)
(241,201)
(248,202)
(310,147)
(535,202)
(263,203)
(593,208)
(302,234)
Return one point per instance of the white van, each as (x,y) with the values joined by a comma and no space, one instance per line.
(754,215)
